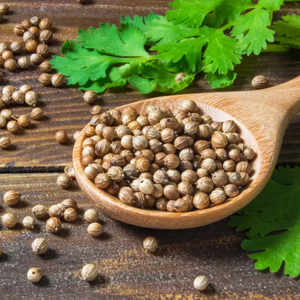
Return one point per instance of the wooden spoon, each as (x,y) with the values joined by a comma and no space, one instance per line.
(262,117)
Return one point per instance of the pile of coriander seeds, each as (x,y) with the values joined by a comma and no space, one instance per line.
(175,161)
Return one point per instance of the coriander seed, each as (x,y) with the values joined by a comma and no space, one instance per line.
(31,98)
(53,225)
(45,79)
(7,55)
(150,244)
(10,65)
(28,222)
(9,220)
(90,97)
(260,82)
(11,198)
(43,51)
(23,121)
(46,66)
(96,110)
(5,142)
(34,275)
(95,229)
(201,283)
(19,30)
(35,31)
(36,59)
(45,24)
(35,21)
(39,246)
(89,272)
(2,121)
(61,136)
(91,216)
(70,214)
(25,88)
(56,210)
(18,97)
(39,211)
(26,24)
(57,79)
(46,36)
(36,113)
(69,203)
(31,45)
(201,200)
(12,126)
(64,181)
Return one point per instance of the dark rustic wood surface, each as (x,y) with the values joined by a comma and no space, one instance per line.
(126,271)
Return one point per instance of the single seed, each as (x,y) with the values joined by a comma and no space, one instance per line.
(11,198)
(150,244)
(95,229)
(61,136)
(34,275)
(45,79)
(57,79)
(39,246)
(89,272)
(64,181)
(29,222)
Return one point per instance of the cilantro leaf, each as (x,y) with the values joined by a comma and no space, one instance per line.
(227,12)
(159,30)
(221,54)
(218,81)
(187,52)
(142,84)
(288,30)
(279,248)
(129,42)
(191,12)
(81,65)
(276,208)
(160,79)
(271,4)
(253,32)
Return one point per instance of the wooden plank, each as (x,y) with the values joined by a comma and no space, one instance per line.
(35,148)
(127,273)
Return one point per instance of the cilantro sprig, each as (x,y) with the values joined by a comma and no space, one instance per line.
(273,223)
(195,36)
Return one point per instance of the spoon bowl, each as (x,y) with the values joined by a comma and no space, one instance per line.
(262,118)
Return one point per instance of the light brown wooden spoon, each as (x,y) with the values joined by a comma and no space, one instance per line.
(262,117)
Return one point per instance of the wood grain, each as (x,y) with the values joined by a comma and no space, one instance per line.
(127,273)
(36,150)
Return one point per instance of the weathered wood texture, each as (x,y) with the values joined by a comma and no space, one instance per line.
(127,273)
(64,108)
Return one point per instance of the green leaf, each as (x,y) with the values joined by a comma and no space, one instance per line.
(288,30)
(227,12)
(187,53)
(253,32)
(129,42)
(161,80)
(219,81)
(221,54)
(276,249)
(277,208)
(142,84)
(191,12)
(159,30)
(81,65)
(273,5)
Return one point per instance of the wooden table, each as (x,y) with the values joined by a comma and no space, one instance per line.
(33,163)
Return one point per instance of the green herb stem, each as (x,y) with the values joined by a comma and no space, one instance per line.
(276,48)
